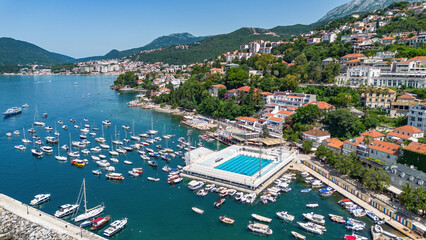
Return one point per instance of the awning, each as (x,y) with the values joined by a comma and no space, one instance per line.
(394,190)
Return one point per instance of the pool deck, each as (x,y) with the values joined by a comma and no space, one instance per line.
(45,220)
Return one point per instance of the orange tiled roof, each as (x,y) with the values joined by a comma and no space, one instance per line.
(399,135)
(266,93)
(335,143)
(317,133)
(219,85)
(357,141)
(353,55)
(275,119)
(418,58)
(406,96)
(385,147)
(409,129)
(353,61)
(321,105)
(251,119)
(388,38)
(416,147)
(269,114)
(285,112)
(373,134)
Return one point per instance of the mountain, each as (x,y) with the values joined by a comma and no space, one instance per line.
(164,41)
(14,52)
(358,6)
(213,46)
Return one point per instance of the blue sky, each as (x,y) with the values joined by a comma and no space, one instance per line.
(82,28)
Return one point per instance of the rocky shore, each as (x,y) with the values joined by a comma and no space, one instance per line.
(15,227)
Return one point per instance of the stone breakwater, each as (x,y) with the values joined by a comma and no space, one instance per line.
(20,221)
(15,227)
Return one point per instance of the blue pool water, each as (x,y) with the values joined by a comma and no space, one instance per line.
(244,165)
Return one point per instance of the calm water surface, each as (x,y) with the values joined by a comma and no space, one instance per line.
(155,210)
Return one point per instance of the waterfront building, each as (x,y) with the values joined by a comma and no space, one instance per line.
(334,144)
(316,136)
(383,151)
(289,99)
(417,116)
(375,135)
(239,166)
(350,145)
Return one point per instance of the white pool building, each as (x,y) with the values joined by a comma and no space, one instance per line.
(239,166)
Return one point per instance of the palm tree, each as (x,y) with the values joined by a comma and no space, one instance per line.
(367,139)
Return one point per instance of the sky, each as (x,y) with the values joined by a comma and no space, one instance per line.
(83,28)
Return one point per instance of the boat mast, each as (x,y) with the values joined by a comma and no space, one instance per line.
(84,195)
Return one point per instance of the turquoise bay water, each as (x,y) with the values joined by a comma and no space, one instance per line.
(245,165)
(155,210)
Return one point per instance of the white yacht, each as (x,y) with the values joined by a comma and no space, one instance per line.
(260,228)
(39,199)
(88,213)
(310,227)
(316,218)
(66,210)
(115,227)
(285,216)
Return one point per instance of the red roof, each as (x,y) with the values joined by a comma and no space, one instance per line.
(354,61)
(357,141)
(269,114)
(373,134)
(334,142)
(416,147)
(406,96)
(418,58)
(285,112)
(321,105)
(250,119)
(388,38)
(386,147)
(219,86)
(354,55)
(275,119)
(399,135)
(409,129)
(266,93)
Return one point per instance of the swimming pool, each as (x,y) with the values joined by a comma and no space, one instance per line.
(244,165)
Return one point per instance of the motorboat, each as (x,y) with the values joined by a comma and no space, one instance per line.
(110,169)
(285,216)
(113,153)
(74,154)
(115,227)
(78,144)
(261,218)
(219,202)
(137,170)
(114,160)
(60,122)
(133,173)
(65,127)
(306,190)
(354,237)
(31,130)
(238,196)
(202,192)
(95,158)
(78,162)
(106,123)
(100,140)
(372,215)
(65,210)
(44,115)
(166,168)
(197,210)
(127,162)
(101,156)
(85,151)
(39,199)
(153,163)
(194,185)
(37,152)
(103,163)
(226,220)
(298,235)
(72,120)
(104,146)
(114,176)
(20,147)
(8,134)
(312,205)
(259,228)
(336,218)
(153,179)
(316,218)
(12,111)
(310,227)
(97,172)
(99,222)
(65,147)
(96,149)
(25,105)
(48,128)
(85,223)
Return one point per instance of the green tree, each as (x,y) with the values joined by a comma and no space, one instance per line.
(236,77)
(370,122)
(342,124)
(265,131)
(128,78)
(307,114)
(264,62)
(289,83)
(307,146)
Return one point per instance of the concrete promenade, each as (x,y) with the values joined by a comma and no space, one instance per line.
(401,228)
(45,220)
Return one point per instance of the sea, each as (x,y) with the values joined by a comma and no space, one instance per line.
(155,210)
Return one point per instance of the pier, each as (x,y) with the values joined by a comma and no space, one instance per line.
(20,221)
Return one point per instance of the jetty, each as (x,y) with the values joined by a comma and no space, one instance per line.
(21,221)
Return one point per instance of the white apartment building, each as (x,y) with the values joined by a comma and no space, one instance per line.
(289,99)
(331,37)
(417,116)
(415,80)
(358,75)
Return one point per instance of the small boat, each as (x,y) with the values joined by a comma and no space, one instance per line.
(153,163)
(336,218)
(8,134)
(39,199)
(106,123)
(194,185)
(65,210)
(138,170)
(298,235)
(259,228)
(285,216)
(115,227)
(60,122)
(226,220)
(197,210)
(219,202)
(96,149)
(12,111)
(202,192)
(153,179)
(37,152)
(65,127)
(101,156)
(316,218)
(65,147)
(44,115)
(97,172)
(20,147)
(306,190)
(78,162)
(85,223)
(310,227)
(261,218)
(114,160)
(133,173)
(128,162)
(85,151)
(110,169)
(99,222)
(312,205)
(25,105)
(354,237)
(114,176)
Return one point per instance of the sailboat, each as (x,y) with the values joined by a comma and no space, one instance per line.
(37,123)
(24,140)
(68,209)
(88,213)
(59,157)
(117,141)
(134,137)
(152,131)
(101,139)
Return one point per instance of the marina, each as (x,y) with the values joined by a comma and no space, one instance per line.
(147,204)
